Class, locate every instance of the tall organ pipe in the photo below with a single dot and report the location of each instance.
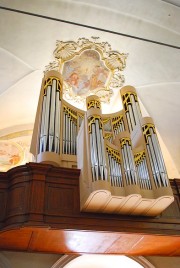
(69, 130)
(50, 116)
(128, 161)
(114, 167)
(131, 107)
(142, 170)
(155, 155)
(97, 150)
(118, 124)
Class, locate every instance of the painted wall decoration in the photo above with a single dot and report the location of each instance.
(85, 73)
(11, 155)
(14, 150)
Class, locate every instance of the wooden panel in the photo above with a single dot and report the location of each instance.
(3, 202)
(48, 197)
(16, 202)
(60, 200)
(37, 196)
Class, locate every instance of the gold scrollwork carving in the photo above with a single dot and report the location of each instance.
(125, 141)
(117, 121)
(146, 131)
(49, 81)
(105, 120)
(127, 100)
(108, 136)
(114, 60)
(93, 104)
(139, 157)
(71, 113)
(91, 120)
(114, 153)
(54, 65)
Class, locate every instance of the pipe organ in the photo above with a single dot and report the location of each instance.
(122, 167)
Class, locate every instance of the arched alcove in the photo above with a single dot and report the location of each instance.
(102, 261)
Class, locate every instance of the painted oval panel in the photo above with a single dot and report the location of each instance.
(85, 73)
(11, 155)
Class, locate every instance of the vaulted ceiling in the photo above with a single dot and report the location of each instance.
(27, 43)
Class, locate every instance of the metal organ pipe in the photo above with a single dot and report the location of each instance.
(95, 160)
(131, 115)
(129, 121)
(57, 122)
(154, 160)
(69, 130)
(64, 132)
(128, 161)
(155, 156)
(132, 109)
(46, 119)
(114, 167)
(98, 160)
(136, 108)
(97, 150)
(162, 168)
(118, 124)
(43, 137)
(50, 118)
(142, 170)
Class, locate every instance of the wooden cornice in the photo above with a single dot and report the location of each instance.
(39, 211)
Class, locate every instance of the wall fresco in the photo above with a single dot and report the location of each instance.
(85, 73)
(14, 151)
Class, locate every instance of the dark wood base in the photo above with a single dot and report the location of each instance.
(39, 212)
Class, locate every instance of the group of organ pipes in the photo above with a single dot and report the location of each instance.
(113, 156)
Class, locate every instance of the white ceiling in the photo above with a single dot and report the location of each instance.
(27, 44)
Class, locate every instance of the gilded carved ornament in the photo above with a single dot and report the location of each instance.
(110, 63)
